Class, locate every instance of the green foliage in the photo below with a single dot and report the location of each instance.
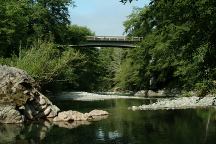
(178, 49)
(47, 64)
(90, 73)
(23, 21)
(110, 61)
(76, 34)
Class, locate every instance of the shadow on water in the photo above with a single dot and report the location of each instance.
(121, 127)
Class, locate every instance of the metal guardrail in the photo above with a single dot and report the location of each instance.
(113, 38)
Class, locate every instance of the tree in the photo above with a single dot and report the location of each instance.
(76, 34)
(178, 38)
(13, 25)
(23, 21)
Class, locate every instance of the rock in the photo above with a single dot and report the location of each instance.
(28, 111)
(141, 93)
(67, 116)
(9, 114)
(159, 93)
(150, 93)
(96, 113)
(54, 112)
(18, 89)
(47, 111)
(70, 116)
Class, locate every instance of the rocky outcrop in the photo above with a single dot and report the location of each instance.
(20, 100)
(19, 95)
(179, 103)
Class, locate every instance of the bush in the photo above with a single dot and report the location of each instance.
(44, 62)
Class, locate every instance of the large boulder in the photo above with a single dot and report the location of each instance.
(19, 93)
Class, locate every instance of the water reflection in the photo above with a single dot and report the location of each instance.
(8, 133)
(72, 125)
(34, 133)
(122, 126)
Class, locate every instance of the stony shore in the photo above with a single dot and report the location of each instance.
(20, 101)
(179, 103)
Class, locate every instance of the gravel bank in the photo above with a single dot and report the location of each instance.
(179, 103)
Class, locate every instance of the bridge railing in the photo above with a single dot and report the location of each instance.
(113, 38)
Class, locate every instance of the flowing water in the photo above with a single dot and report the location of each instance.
(123, 126)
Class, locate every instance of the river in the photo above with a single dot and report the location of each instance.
(123, 126)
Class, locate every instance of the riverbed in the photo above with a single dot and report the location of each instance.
(123, 126)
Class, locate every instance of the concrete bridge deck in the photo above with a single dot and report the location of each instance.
(110, 41)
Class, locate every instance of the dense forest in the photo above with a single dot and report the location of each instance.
(177, 51)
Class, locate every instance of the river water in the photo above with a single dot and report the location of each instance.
(123, 126)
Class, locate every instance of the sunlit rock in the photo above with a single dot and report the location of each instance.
(96, 113)
(70, 116)
(18, 91)
(78, 116)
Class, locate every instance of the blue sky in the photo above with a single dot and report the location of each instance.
(104, 17)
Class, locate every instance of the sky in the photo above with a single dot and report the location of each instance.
(104, 17)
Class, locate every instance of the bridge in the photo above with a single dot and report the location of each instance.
(110, 41)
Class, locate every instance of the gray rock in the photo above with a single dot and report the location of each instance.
(77, 116)
(9, 114)
(70, 116)
(141, 93)
(159, 93)
(17, 88)
(97, 113)
(54, 112)
(150, 93)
